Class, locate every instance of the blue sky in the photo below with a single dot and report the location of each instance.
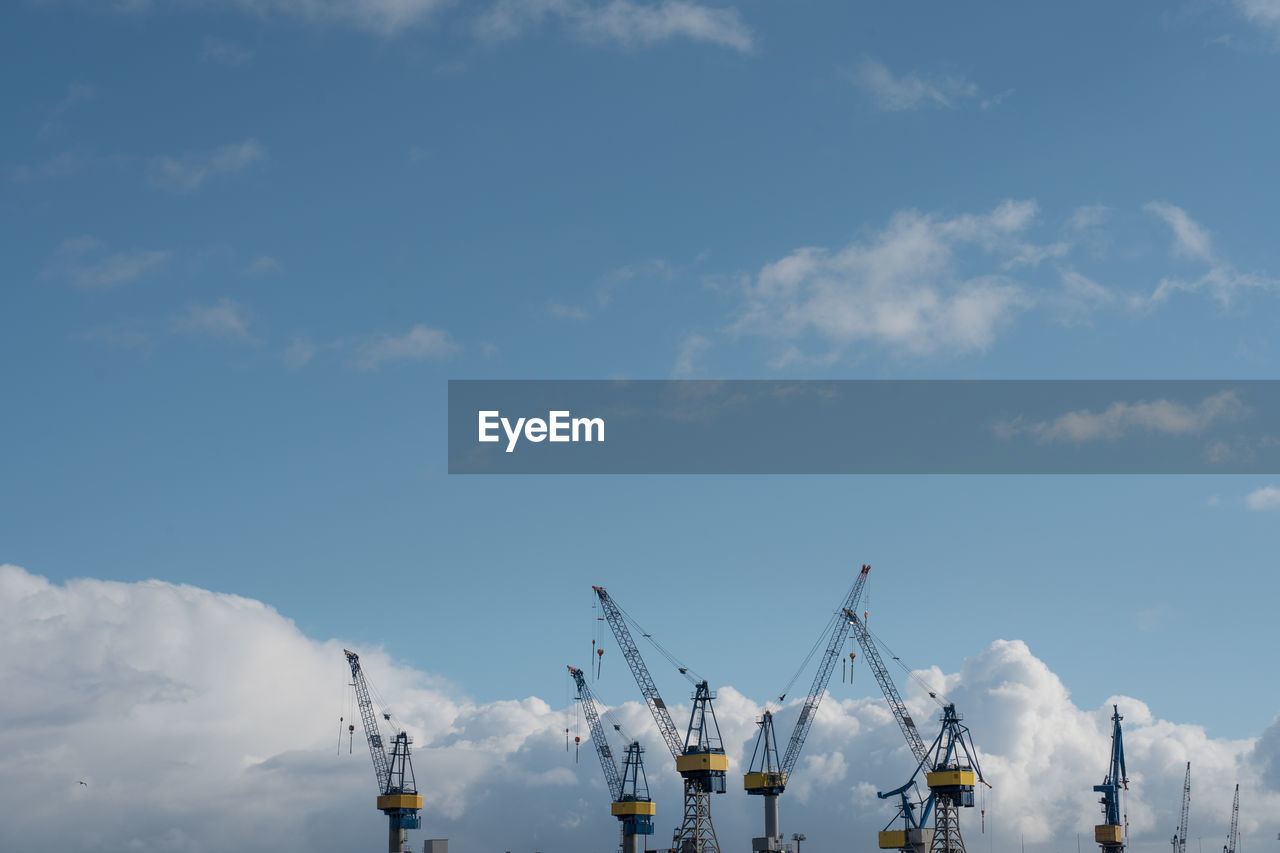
(246, 243)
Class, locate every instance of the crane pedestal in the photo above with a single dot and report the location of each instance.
(697, 835)
(946, 828)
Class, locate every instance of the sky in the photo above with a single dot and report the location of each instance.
(247, 242)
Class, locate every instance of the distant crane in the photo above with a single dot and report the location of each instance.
(766, 776)
(398, 796)
(700, 757)
(1110, 833)
(1233, 834)
(630, 790)
(1180, 836)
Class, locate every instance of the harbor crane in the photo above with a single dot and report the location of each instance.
(950, 766)
(1110, 833)
(630, 790)
(767, 777)
(1180, 836)
(700, 757)
(1233, 833)
(398, 796)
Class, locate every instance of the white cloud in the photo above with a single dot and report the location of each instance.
(385, 17)
(908, 91)
(626, 22)
(262, 265)
(1119, 418)
(62, 165)
(1222, 280)
(1079, 297)
(223, 319)
(419, 343)
(1089, 216)
(189, 172)
(1190, 239)
(299, 352)
(1263, 13)
(225, 52)
(208, 722)
(567, 312)
(687, 358)
(902, 288)
(997, 99)
(1265, 498)
(86, 263)
(77, 93)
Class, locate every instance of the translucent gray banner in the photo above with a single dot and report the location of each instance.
(864, 427)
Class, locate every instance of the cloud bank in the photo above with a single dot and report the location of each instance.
(204, 721)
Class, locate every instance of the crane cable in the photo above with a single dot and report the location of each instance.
(686, 671)
(936, 695)
(774, 705)
(606, 714)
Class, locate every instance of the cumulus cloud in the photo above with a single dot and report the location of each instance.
(190, 171)
(626, 22)
(418, 344)
(1120, 418)
(208, 722)
(908, 91)
(1265, 498)
(903, 288)
(86, 262)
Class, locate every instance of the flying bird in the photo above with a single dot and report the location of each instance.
(82, 782)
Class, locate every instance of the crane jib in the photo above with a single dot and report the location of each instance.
(825, 668)
(631, 653)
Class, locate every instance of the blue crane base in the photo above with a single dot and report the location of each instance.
(404, 818)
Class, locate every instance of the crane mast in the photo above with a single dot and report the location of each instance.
(700, 758)
(630, 790)
(1180, 836)
(766, 776)
(398, 796)
(1110, 833)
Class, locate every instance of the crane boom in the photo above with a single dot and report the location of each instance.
(891, 694)
(1233, 834)
(1180, 837)
(819, 687)
(658, 708)
(372, 734)
(597, 734)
